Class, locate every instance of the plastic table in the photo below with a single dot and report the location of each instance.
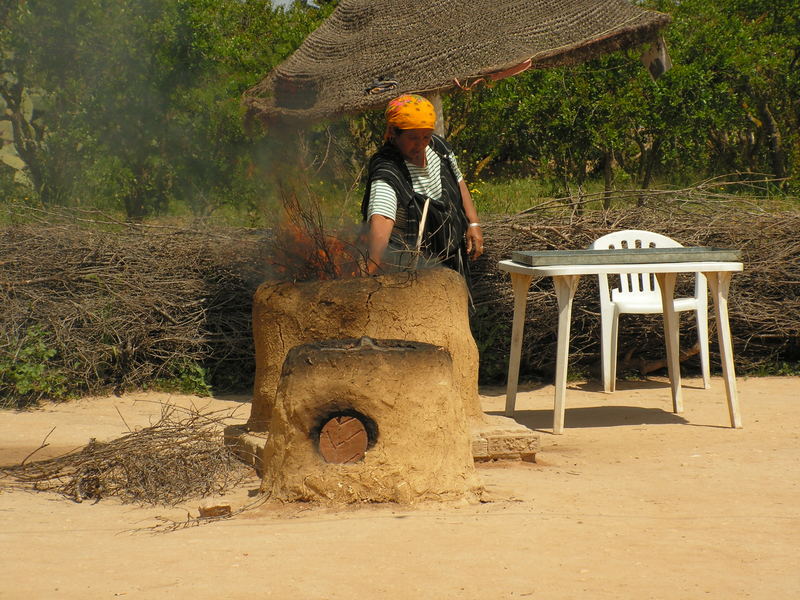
(565, 280)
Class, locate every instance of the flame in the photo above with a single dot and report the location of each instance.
(301, 254)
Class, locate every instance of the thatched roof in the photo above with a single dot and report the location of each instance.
(369, 51)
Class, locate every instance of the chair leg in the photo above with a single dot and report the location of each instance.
(701, 314)
(607, 348)
(614, 349)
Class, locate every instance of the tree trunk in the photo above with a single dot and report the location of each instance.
(482, 165)
(136, 203)
(580, 176)
(608, 177)
(436, 100)
(134, 207)
(774, 140)
(650, 160)
(26, 138)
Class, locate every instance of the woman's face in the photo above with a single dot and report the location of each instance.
(412, 143)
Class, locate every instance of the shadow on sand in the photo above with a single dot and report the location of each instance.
(595, 416)
(594, 385)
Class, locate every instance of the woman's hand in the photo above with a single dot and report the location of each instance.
(474, 234)
(474, 241)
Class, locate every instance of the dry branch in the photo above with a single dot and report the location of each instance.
(181, 456)
(123, 309)
(125, 305)
(764, 303)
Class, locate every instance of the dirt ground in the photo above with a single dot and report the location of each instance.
(631, 502)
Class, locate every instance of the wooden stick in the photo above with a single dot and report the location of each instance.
(421, 231)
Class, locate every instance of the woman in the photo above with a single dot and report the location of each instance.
(413, 168)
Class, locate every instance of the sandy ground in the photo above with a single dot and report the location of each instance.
(631, 502)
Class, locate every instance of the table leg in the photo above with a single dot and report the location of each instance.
(565, 291)
(520, 284)
(720, 283)
(666, 282)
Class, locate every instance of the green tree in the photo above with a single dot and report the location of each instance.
(140, 99)
(729, 104)
(223, 49)
(745, 54)
(25, 103)
(97, 84)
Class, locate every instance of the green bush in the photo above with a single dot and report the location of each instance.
(30, 372)
(186, 377)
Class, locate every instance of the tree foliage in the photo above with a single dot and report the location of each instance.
(729, 104)
(135, 105)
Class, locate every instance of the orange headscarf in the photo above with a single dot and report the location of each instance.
(409, 111)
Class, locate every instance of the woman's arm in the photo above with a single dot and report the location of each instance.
(380, 229)
(474, 233)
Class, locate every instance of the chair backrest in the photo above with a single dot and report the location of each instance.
(632, 284)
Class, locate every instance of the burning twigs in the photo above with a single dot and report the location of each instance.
(302, 249)
(181, 456)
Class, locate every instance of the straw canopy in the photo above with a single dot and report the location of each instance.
(369, 51)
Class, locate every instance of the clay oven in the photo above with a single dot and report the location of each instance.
(368, 420)
(429, 306)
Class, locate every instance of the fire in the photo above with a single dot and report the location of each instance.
(306, 253)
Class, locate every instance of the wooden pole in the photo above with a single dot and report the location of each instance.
(436, 100)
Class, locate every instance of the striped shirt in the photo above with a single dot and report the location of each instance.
(425, 180)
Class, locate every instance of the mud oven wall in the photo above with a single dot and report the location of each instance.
(340, 398)
(429, 306)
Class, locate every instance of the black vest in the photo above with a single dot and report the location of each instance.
(443, 237)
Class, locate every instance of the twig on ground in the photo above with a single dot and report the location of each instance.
(181, 456)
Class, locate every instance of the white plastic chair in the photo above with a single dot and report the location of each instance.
(640, 294)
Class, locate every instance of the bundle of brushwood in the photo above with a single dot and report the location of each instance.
(88, 305)
(764, 302)
(180, 457)
(90, 309)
